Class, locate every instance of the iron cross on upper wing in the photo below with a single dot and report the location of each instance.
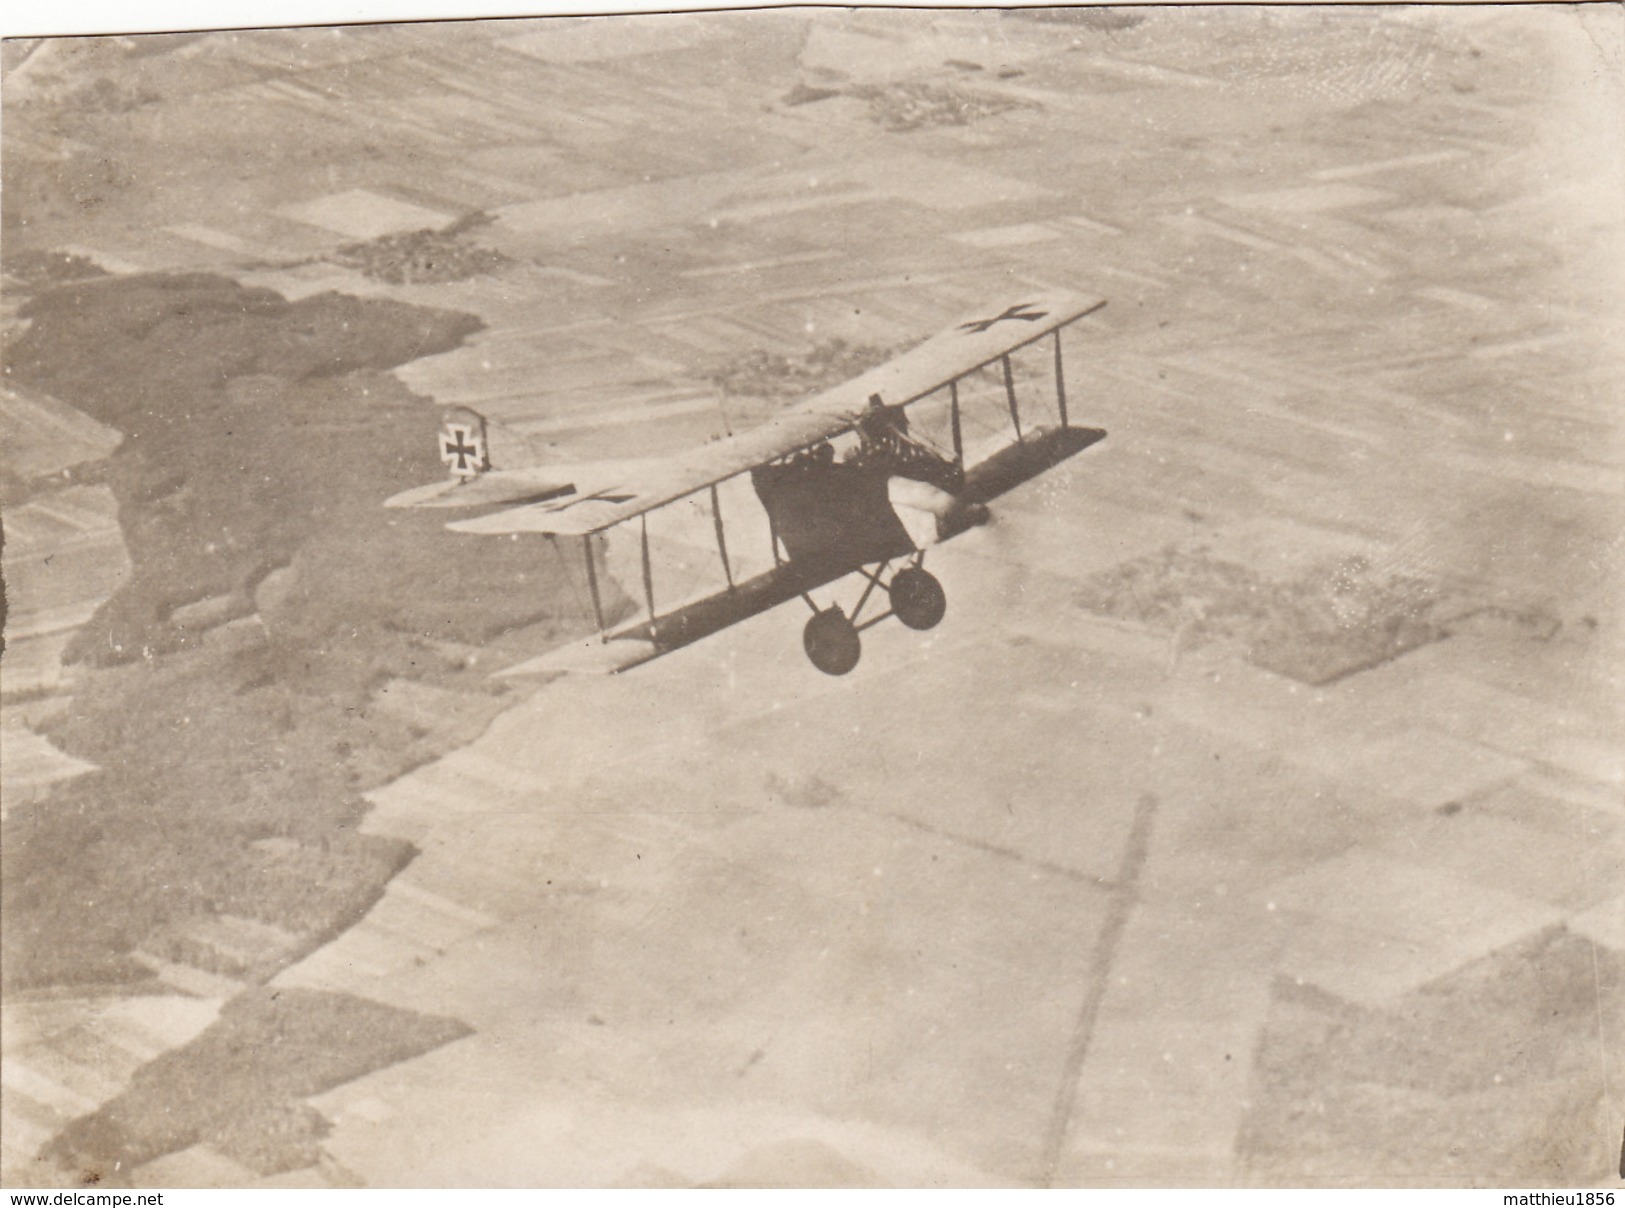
(1021, 310)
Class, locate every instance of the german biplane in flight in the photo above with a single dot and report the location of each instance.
(860, 482)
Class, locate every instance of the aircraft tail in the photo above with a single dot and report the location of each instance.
(470, 445)
(489, 464)
(486, 463)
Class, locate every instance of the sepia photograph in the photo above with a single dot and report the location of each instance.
(816, 597)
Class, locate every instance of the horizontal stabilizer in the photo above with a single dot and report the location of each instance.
(552, 483)
(488, 490)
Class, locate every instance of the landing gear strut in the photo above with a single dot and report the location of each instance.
(832, 642)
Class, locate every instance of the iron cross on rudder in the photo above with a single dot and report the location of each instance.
(1021, 310)
(462, 448)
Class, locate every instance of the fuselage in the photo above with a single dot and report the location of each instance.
(825, 511)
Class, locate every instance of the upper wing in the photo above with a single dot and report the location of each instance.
(679, 476)
(961, 349)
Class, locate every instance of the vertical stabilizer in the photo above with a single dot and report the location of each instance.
(470, 445)
(464, 445)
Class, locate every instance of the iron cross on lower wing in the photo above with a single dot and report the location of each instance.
(1021, 310)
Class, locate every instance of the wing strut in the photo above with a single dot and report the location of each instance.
(592, 586)
(953, 410)
(1060, 379)
(1010, 393)
(648, 569)
(722, 540)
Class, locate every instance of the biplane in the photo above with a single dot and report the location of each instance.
(858, 482)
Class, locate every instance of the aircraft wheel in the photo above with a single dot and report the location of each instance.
(917, 598)
(831, 641)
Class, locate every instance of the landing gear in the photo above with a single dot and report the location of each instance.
(831, 637)
(832, 642)
(917, 598)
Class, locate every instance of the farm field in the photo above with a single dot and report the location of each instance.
(1255, 817)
